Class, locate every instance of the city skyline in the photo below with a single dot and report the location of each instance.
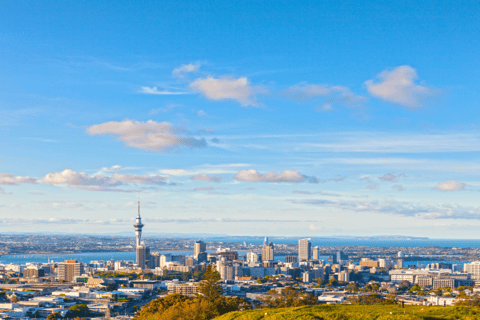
(278, 119)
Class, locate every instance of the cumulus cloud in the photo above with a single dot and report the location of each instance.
(181, 71)
(229, 88)
(284, 176)
(72, 178)
(150, 135)
(205, 177)
(138, 179)
(334, 94)
(404, 209)
(450, 186)
(9, 179)
(398, 86)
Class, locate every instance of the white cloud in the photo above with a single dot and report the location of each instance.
(137, 179)
(150, 135)
(155, 91)
(398, 86)
(450, 186)
(205, 177)
(229, 88)
(272, 176)
(335, 94)
(72, 178)
(201, 113)
(184, 69)
(9, 179)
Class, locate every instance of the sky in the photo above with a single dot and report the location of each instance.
(276, 118)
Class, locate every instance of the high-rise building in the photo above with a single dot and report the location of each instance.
(33, 272)
(268, 252)
(291, 259)
(199, 247)
(69, 269)
(265, 242)
(304, 250)
(315, 253)
(252, 257)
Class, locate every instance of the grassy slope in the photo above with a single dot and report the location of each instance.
(356, 312)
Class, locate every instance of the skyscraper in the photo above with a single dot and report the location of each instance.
(268, 253)
(69, 269)
(304, 250)
(199, 247)
(265, 242)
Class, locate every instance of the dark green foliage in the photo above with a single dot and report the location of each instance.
(176, 306)
(369, 299)
(210, 286)
(54, 315)
(288, 297)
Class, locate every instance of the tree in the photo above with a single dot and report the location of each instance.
(54, 315)
(78, 310)
(352, 287)
(288, 297)
(333, 282)
(112, 286)
(210, 286)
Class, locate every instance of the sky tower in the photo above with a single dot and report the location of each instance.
(138, 225)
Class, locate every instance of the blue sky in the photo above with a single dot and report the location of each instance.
(245, 118)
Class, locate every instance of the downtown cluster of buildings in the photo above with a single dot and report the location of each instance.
(106, 286)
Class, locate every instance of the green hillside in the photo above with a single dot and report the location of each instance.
(355, 312)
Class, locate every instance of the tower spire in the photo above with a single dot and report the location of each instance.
(138, 207)
(138, 225)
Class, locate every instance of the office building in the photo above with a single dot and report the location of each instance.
(315, 253)
(265, 242)
(33, 272)
(252, 257)
(472, 268)
(304, 250)
(291, 259)
(268, 252)
(344, 276)
(69, 269)
(199, 247)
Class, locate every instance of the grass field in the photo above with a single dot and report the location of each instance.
(356, 312)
